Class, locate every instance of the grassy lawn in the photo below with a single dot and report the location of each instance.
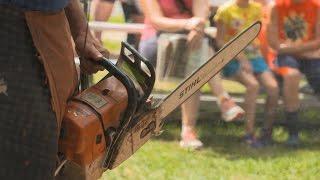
(224, 155)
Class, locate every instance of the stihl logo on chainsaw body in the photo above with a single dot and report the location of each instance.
(189, 87)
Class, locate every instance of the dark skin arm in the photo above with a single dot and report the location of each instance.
(88, 48)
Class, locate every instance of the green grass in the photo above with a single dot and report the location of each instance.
(224, 155)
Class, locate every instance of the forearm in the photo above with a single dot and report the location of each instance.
(76, 17)
(153, 12)
(300, 48)
(201, 9)
(272, 37)
(169, 24)
(103, 10)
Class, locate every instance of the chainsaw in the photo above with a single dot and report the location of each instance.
(107, 123)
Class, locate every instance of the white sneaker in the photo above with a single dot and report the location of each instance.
(230, 111)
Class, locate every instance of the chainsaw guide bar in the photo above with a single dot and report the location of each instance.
(150, 123)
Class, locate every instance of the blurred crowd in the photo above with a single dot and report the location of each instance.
(287, 49)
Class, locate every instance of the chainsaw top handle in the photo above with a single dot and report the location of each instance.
(128, 84)
(139, 70)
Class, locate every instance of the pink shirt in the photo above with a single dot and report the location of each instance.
(169, 9)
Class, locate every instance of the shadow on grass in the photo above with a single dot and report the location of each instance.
(226, 139)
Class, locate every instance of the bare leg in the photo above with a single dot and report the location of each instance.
(190, 110)
(291, 90)
(102, 12)
(189, 117)
(216, 82)
(269, 82)
(252, 85)
(292, 104)
(216, 86)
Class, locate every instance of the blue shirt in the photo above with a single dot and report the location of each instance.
(39, 5)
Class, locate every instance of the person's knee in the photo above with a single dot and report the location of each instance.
(272, 90)
(253, 87)
(292, 79)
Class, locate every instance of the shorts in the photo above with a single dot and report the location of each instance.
(258, 66)
(309, 67)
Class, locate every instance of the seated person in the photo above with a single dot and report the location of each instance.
(294, 34)
(187, 17)
(249, 67)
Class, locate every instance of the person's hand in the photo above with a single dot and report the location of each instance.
(89, 49)
(194, 40)
(195, 23)
(245, 66)
(289, 47)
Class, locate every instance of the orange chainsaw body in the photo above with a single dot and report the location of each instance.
(88, 116)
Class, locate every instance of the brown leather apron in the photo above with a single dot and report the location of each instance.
(52, 38)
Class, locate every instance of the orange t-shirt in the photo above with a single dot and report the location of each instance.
(297, 20)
